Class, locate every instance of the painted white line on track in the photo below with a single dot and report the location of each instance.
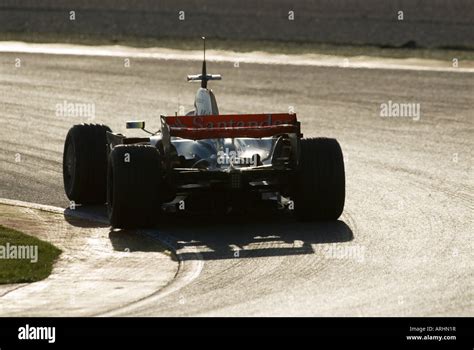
(316, 60)
(29, 205)
(188, 271)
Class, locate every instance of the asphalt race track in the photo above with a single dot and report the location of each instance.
(403, 246)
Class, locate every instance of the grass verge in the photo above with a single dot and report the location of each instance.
(18, 252)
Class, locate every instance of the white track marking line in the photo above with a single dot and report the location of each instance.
(29, 205)
(315, 60)
(188, 270)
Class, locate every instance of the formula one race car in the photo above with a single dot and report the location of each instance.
(204, 160)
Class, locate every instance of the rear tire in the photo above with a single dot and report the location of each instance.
(319, 189)
(134, 187)
(85, 163)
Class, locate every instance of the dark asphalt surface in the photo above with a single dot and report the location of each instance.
(403, 245)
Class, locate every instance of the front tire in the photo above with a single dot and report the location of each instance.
(85, 163)
(134, 186)
(319, 189)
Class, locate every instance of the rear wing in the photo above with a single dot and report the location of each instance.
(230, 126)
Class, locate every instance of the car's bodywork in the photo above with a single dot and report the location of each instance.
(204, 156)
(248, 152)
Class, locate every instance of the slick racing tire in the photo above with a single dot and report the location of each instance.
(85, 163)
(134, 186)
(319, 188)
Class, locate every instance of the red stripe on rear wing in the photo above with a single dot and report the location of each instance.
(231, 125)
(257, 132)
